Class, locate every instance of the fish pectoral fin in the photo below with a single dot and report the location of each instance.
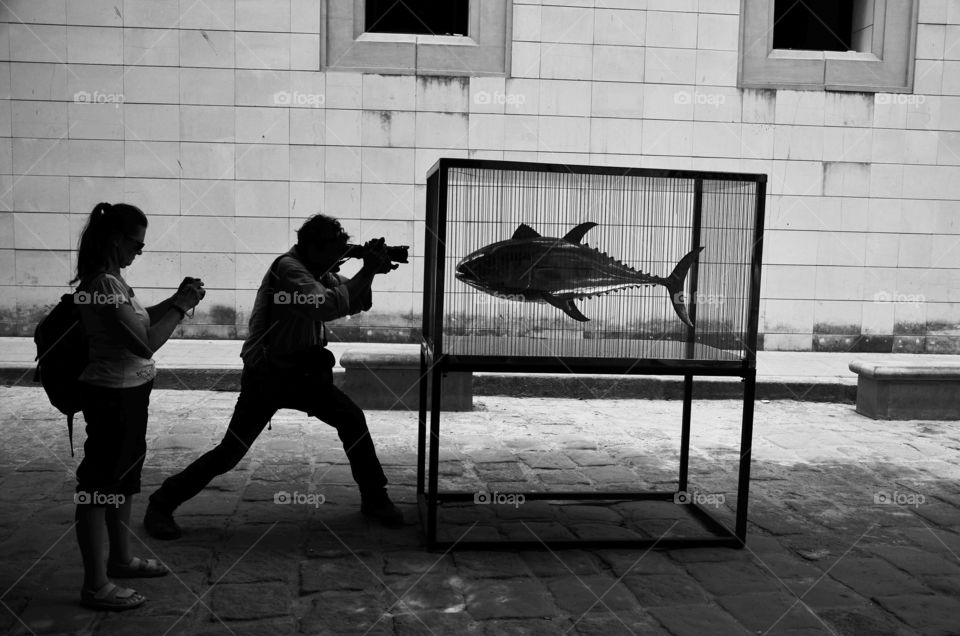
(524, 231)
(576, 234)
(566, 306)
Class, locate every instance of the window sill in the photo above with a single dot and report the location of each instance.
(411, 38)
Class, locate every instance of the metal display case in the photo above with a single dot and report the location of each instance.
(543, 268)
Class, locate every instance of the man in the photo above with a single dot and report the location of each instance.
(286, 366)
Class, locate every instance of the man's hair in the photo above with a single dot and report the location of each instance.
(318, 229)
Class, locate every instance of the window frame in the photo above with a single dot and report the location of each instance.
(485, 50)
(887, 67)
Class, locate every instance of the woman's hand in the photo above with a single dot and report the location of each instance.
(189, 294)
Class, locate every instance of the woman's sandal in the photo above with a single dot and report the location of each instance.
(137, 569)
(111, 597)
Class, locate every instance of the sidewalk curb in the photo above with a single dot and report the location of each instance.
(526, 385)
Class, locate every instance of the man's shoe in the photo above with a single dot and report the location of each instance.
(383, 510)
(160, 524)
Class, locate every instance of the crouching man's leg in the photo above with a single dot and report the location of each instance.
(335, 408)
(253, 410)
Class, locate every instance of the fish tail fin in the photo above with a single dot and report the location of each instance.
(676, 282)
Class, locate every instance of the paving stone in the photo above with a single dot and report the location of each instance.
(580, 513)
(620, 623)
(520, 598)
(657, 590)
(500, 472)
(130, 624)
(250, 601)
(927, 613)
(580, 594)
(409, 562)
(348, 612)
(770, 612)
(561, 563)
(824, 592)
(484, 564)
(561, 478)
(416, 593)
(873, 577)
(611, 475)
(436, 622)
(547, 460)
(590, 458)
(604, 532)
(917, 562)
(786, 566)
(546, 626)
(55, 614)
(696, 620)
(857, 622)
(724, 579)
(537, 531)
(949, 585)
(342, 573)
(639, 561)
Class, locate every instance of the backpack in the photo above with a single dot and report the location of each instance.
(62, 356)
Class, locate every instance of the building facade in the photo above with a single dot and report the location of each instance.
(230, 121)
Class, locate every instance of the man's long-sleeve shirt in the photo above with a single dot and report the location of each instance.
(290, 309)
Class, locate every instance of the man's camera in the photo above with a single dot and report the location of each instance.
(397, 253)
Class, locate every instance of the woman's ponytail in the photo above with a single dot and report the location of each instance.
(106, 221)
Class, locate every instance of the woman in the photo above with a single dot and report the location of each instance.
(123, 336)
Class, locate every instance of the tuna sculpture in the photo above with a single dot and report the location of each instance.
(533, 268)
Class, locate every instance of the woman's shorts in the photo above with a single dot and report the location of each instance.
(116, 440)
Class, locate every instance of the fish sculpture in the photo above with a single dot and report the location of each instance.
(533, 268)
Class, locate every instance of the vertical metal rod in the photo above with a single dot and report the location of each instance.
(422, 422)
(746, 447)
(436, 379)
(685, 431)
(694, 275)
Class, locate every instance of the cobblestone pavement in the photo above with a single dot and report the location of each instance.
(854, 525)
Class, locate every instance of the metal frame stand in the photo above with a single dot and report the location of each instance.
(430, 498)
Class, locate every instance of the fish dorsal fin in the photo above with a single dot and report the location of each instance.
(524, 231)
(576, 234)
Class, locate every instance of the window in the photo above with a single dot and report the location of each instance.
(426, 17)
(813, 25)
(429, 37)
(843, 45)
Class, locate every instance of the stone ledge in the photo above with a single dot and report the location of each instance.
(895, 391)
(391, 380)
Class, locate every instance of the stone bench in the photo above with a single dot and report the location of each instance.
(379, 379)
(908, 391)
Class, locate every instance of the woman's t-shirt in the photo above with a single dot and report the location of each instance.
(111, 363)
